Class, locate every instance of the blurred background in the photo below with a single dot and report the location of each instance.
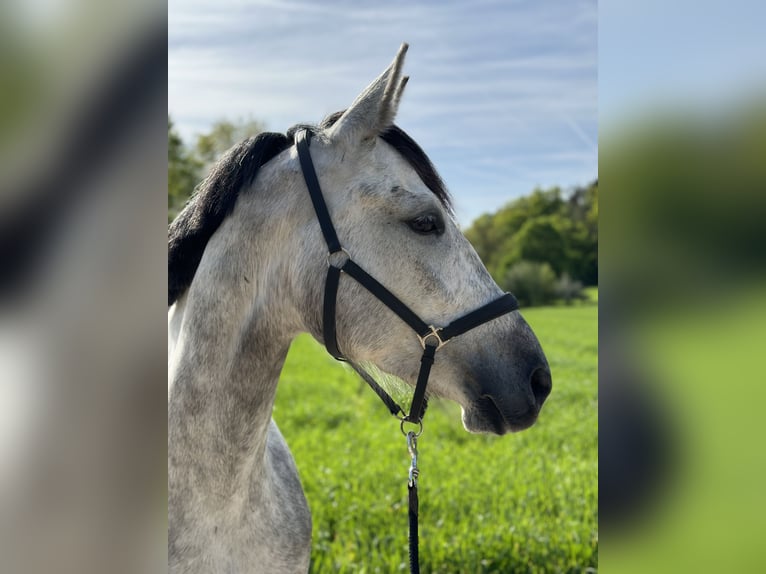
(83, 175)
(682, 161)
(678, 117)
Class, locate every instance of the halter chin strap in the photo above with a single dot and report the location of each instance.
(431, 338)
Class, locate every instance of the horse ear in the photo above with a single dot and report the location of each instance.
(375, 108)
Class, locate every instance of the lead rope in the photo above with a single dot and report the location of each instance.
(412, 490)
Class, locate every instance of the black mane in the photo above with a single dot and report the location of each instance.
(213, 201)
(216, 196)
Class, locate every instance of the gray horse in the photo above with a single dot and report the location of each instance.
(247, 264)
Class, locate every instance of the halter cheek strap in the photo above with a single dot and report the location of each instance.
(431, 338)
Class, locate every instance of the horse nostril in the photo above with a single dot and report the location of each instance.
(541, 384)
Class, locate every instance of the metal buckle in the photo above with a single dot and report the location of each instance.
(434, 333)
(341, 250)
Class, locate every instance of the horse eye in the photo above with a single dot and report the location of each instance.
(426, 224)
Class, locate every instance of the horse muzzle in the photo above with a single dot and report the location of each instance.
(513, 408)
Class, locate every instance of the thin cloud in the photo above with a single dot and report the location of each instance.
(494, 83)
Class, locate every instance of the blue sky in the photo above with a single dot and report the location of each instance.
(682, 55)
(502, 94)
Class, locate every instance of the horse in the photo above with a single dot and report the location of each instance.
(246, 270)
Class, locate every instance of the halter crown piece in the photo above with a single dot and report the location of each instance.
(431, 338)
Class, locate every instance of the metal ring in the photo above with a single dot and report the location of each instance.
(433, 333)
(341, 250)
(419, 423)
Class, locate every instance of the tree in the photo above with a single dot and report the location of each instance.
(223, 135)
(568, 290)
(186, 166)
(539, 240)
(183, 172)
(545, 226)
(579, 228)
(480, 236)
(532, 283)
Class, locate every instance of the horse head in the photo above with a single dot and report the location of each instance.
(394, 217)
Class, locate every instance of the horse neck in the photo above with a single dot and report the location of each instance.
(238, 319)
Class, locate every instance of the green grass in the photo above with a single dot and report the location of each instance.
(525, 502)
(591, 293)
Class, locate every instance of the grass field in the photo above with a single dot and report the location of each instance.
(525, 502)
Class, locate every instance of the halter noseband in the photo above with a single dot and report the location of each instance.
(431, 338)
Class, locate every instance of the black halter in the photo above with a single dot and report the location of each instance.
(431, 338)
